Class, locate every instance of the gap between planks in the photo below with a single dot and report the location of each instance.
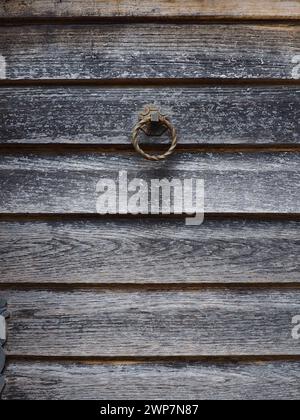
(166, 20)
(21, 148)
(68, 217)
(150, 82)
(150, 359)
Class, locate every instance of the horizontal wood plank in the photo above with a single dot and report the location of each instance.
(169, 381)
(161, 8)
(149, 252)
(201, 115)
(52, 182)
(101, 323)
(148, 51)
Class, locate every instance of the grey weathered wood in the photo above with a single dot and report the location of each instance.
(152, 323)
(149, 251)
(66, 183)
(151, 51)
(201, 115)
(74, 381)
(255, 9)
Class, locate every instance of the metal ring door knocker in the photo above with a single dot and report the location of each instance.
(149, 118)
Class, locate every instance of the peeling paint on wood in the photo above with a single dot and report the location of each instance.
(66, 183)
(202, 115)
(150, 51)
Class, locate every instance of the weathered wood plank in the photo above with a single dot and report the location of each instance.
(161, 8)
(151, 51)
(66, 183)
(103, 323)
(149, 251)
(202, 115)
(204, 381)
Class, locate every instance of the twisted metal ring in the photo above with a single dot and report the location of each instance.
(144, 122)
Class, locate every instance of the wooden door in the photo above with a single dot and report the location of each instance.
(142, 306)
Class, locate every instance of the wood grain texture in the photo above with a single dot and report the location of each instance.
(149, 252)
(169, 381)
(160, 8)
(202, 115)
(150, 51)
(66, 183)
(101, 323)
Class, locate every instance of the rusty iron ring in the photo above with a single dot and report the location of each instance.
(144, 123)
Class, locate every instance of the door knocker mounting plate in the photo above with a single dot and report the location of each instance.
(153, 128)
(153, 123)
